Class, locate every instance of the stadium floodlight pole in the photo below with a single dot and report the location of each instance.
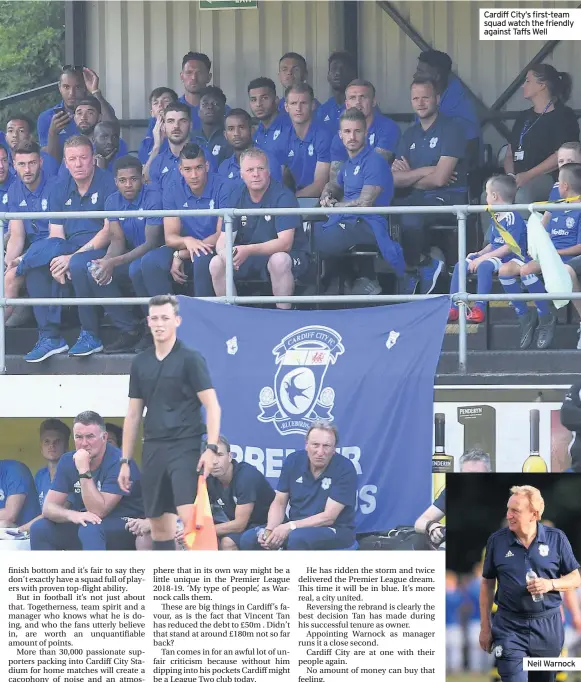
(228, 222)
(462, 337)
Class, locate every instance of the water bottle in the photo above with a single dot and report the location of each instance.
(180, 527)
(95, 272)
(531, 575)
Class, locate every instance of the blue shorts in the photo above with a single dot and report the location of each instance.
(515, 637)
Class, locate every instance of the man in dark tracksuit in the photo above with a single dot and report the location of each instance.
(528, 620)
(571, 419)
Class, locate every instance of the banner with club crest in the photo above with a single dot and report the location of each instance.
(369, 371)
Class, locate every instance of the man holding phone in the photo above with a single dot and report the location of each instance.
(189, 240)
(56, 124)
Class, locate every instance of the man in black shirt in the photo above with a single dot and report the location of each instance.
(240, 496)
(172, 381)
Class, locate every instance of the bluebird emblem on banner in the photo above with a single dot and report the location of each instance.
(298, 397)
(433, 142)
(44, 204)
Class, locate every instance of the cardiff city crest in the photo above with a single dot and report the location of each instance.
(298, 397)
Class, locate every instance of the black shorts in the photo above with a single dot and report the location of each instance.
(256, 267)
(169, 476)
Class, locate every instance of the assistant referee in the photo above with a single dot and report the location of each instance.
(172, 382)
(523, 627)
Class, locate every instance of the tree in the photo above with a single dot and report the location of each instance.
(31, 52)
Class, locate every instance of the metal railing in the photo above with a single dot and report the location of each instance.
(461, 212)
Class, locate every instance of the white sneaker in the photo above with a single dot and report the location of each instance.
(364, 286)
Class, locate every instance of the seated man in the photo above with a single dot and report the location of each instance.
(264, 107)
(50, 262)
(320, 487)
(18, 498)
(364, 180)
(19, 133)
(342, 70)
(189, 240)
(29, 192)
(240, 496)
(238, 132)
(304, 147)
(56, 124)
(111, 275)
(54, 442)
(383, 134)
(159, 99)
(195, 75)
(429, 522)
(85, 508)
(430, 166)
(565, 230)
(210, 135)
(292, 70)
(266, 247)
(164, 158)
(455, 102)
(88, 121)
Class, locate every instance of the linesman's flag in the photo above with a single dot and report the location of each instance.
(203, 535)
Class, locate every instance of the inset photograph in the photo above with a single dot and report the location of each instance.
(513, 545)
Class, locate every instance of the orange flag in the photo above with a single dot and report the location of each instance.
(203, 535)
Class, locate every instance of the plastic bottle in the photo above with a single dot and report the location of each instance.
(531, 575)
(95, 271)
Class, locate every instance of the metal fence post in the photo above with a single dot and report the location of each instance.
(462, 338)
(228, 223)
(2, 308)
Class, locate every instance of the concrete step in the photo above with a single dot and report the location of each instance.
(20, 340)
(514, 362)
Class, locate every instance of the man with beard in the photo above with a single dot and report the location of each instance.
(30, 192)
(264, 106)
(87, 117)
(292, 70)
(56, 124)
(342, 70)
(195, 76)
(238, 133)
(162, 164)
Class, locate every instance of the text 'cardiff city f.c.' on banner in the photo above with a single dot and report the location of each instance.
(368, 371)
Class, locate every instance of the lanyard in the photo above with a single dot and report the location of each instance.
(527, 126)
